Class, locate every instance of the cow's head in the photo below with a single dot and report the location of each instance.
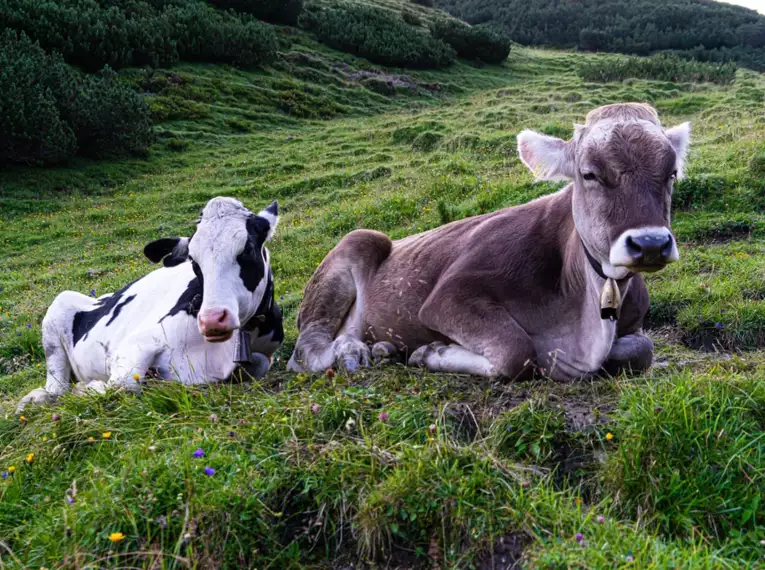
(623, 164)
(228, 254)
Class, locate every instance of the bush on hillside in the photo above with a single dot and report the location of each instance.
(426, 3)
(663, 67)
(203, 34)
(473, 42)
(107, 117)
(411, 18)
(637, 27)
(377, 35)
(277, 11)
(48, 113)
(91, 33)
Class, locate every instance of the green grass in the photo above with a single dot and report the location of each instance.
(461, 466)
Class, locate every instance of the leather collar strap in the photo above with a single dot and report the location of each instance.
(264, 309)
(599, 268)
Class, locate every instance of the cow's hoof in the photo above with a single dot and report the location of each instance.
(419, 356)
(38, 397)
(83, 388)
(293, 365)
(384, 352)
(351, 353)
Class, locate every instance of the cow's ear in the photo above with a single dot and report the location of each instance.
(680, 138)
(548, 158)
(170, 251)
(265, 222)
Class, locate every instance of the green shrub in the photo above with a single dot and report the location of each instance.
(48, 112)
(31, 127)
(411, 18)
(377, 35)
(108, 117)
(205, 35)
(91, 33)
(473, 42)
(663, 67)
(277, 11)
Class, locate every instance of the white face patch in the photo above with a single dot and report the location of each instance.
(228, 247)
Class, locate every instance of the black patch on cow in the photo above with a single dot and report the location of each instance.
(118, 308)
(251, 263)
(189, 302)
(171, 251)
(84, 321)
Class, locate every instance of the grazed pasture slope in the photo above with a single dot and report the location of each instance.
(392, 464)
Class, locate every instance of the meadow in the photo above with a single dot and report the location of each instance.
(391, 467)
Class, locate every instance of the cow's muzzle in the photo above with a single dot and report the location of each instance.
(216, 325)
(644, 249)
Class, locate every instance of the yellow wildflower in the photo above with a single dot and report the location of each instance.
(11, 469)
(609, 436)
(106, 434)
(136, 377)
(30, 457)
(116, 536)
(45, 438)
(22, 419)
(91, 438)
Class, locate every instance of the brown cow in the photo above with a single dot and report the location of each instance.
(496, 294)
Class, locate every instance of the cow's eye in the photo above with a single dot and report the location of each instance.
(589, 176)
(673, 176)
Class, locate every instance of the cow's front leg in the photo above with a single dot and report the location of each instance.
(453, 358)
(487, 341)
(630, 353)
(130, 364)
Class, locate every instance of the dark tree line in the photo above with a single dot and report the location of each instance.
(719, 31)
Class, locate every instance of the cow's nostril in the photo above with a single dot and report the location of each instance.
(223, 316)
(633, 247)
(666, 248)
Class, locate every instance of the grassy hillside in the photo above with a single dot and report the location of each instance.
(391, 467)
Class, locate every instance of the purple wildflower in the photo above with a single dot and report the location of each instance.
(18, 334)
(601, 519)
(630, 558)
(383, 416)
(232, 434)
(718, 325)
(29, 325)
(93, 292)
(579, 537)
(199, 452)
(209, 471)
(70, 500)
(4, 475)
(315, 408)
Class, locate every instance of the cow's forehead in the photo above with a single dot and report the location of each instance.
(606, 136)
(222, 227)
(224, 208)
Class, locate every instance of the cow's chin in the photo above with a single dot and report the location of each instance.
(647, 268)
(219, 337)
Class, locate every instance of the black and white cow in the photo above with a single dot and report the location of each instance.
(179, 321)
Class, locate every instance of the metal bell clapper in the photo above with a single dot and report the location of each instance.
(610, 300)
(242, 352)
